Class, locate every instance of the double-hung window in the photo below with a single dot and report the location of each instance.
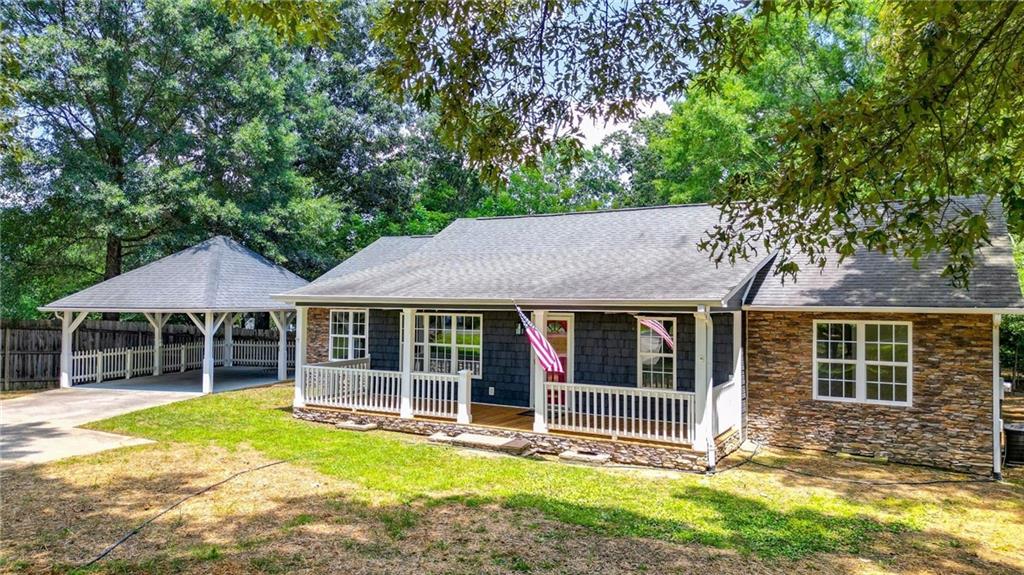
(348, 334)
(656, 362)
(865, 361)
(447, 343)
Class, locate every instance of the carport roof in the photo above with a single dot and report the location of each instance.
(218, 274)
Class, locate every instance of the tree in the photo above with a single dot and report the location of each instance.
(877, 168)
(881, 167)
(147, 126)
(802, 61)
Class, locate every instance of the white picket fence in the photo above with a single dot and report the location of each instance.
(350, 384)
(651, 414)
(128, 362)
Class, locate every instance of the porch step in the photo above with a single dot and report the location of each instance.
(355, 426)
(478, 441)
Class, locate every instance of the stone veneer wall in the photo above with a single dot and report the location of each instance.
(622, 452)
(949, 424)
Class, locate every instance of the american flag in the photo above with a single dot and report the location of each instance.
(659, 328)
(546, 354)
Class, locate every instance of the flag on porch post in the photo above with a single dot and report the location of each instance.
(659, 328)
(546, 355)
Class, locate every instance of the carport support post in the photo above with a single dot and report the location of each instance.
(997, 394)
(229, 340)
(69, 322)
(281, 321)
(208, 353)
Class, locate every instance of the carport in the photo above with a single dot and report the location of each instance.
(210, 283)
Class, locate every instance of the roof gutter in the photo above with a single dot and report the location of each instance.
(887, 309)
(526, 302)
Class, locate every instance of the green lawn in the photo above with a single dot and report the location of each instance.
(724, 511)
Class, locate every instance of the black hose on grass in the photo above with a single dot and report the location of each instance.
(142, 525)
(757, 447)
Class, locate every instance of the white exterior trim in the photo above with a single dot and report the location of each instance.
(997, 393)
(857, 309)
(349, 335)
(523, 302)
(570, 342)
(454, 343)
(674, 353)
(861, 362)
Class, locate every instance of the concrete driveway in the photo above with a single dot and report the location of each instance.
(42, 426)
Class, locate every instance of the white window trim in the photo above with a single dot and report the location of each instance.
(454, 346)
(351, 338)
(570, 342)
(861, 384)
(674, 354)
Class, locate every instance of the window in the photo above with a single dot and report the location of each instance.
(447, 343)
(863, 361)
(348, 334)
(656, 362)
(836, 353)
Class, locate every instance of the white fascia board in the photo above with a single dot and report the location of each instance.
(532, 303)
(747, 281)
(164, 310)
(884, 309)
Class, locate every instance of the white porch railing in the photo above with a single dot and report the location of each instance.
(435, 395)
(350, 384)
(129, 362)
(650, 414)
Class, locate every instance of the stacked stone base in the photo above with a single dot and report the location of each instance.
(621, 452)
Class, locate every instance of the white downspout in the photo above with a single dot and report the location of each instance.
(997, 392)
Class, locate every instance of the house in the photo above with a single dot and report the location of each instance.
(872, 357)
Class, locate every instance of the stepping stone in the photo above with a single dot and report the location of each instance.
(585, 457)
(491, 442)
(441, 437)
(355, 426)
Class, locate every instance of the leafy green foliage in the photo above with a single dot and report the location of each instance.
(511, 81)
(881, 167)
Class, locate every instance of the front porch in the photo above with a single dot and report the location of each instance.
(623, 388)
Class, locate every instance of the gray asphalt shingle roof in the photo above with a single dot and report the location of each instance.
(647, 254)
(872, 279)
(642, 255)
(218, 274)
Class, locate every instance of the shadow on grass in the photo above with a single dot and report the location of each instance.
(63, 525)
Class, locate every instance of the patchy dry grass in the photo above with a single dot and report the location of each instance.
(383, 503)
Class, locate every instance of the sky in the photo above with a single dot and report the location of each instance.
(594, 132)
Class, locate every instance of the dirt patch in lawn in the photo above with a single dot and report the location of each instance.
(289, 518)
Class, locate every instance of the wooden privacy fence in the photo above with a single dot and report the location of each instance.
(128, 362)
(30, 349)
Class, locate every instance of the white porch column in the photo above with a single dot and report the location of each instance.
(208, 332)
(409, 329)
(540, 423)
(703, 437)
(69, 322)
(997, 394)
(300, 355)
(464, 395)
(281, 321)
(229, 340)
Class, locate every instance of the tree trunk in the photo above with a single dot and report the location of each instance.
(112, 267)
